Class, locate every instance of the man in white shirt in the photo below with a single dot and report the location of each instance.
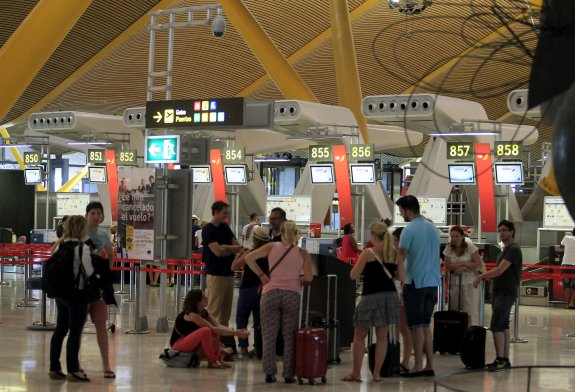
(248, 231)
(568, 244)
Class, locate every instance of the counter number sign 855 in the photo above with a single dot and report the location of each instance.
(320, 153)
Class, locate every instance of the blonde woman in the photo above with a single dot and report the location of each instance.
(280, 299)
(72, 311)
(379, 305)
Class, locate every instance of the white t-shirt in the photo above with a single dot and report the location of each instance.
(248, 241)
(569, 256)
(467, 277)
(199, 237)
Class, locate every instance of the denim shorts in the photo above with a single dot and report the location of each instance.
(569, 282)
(419, 305)
(500, 311)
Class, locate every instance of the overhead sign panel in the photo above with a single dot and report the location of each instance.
(163, 149)
(195, 113)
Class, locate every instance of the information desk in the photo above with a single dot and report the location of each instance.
(330, 265)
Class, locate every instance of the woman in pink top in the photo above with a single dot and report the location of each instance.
(349, 248)
(281, 297)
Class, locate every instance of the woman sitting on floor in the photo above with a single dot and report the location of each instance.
(196, 331)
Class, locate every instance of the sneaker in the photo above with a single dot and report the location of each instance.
(499, 365)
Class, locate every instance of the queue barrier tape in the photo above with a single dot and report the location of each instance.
(171, 271)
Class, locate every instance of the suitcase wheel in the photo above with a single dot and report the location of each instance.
(311, 381)
(338, 360)
(323, 380)
(113, 328)
(299, 381)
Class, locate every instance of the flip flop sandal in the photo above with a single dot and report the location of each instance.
(72, 377)
(59, 375)
(109, 374)
(351, 379)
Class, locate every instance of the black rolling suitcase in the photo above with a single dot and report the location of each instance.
(331, 322)
(449, 326)
(391, 363)
(473, 347)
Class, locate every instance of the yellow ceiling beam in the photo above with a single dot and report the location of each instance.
(346, 72)
(4, 133)
(32, 44)
(438, 72)
(67, 187)
(354, 15)
(142, 23)
(270, 57)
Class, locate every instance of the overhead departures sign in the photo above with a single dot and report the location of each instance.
(195, 113)
(163, 149)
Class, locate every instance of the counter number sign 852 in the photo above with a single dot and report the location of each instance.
(320, 153)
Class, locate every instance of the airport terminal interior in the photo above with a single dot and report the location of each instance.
(181, 143)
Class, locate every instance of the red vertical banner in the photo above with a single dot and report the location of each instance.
(343, 185)
(112, 170)
(485, 187)
(218, 175)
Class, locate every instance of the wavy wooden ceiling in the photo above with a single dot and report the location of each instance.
(393, 51)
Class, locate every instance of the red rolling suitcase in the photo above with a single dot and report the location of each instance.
(311, 351)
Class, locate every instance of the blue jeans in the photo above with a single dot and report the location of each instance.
(248, 303)
(70, 321)
(419, 305)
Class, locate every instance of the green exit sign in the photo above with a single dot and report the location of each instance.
(163, 149)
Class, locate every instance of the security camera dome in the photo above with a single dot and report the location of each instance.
(218, 25)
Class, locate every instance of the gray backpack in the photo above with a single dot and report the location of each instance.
(177, 359)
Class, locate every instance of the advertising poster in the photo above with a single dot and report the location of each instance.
(136, 212)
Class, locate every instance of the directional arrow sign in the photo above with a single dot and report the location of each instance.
(158, 117)
(163, 149)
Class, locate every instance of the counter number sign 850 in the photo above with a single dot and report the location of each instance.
(32, 158)
(320, 153)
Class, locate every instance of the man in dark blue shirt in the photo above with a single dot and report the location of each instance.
(219, 247)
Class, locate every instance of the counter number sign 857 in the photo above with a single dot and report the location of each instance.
(320, 153)
(460, 150)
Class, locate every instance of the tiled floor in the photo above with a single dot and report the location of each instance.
(24, 357)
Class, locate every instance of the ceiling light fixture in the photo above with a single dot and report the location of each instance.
(448, 134)
(88, 143)
(409, 7)
(14, 145)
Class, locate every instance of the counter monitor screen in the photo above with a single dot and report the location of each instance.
(362, 173)
(33, 176)
(98, 175)
(236, 174)
(509, 173)
(321, 174)
(462, 174)
(202, 175)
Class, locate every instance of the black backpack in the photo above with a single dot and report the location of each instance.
(58, 271)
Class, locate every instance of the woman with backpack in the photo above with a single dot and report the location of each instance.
(197, 331)
(72, 309)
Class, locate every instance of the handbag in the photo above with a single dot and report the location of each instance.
(92, 290)
(275, 266)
